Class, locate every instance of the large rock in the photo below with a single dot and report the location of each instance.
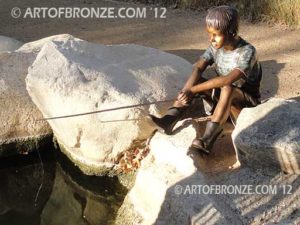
(269, 135)
(158, 195)
(75, 76)
(170, 190)
(9, 44)
(18, 114)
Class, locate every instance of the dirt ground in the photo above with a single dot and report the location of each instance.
(181, 33)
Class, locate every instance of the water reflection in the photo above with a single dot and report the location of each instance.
(21, 177)
(66, 196)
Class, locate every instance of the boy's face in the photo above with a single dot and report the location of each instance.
(216, 38)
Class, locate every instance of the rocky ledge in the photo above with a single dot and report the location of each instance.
(72, 76)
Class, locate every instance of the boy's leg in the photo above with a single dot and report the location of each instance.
(166, 123)
(220, 115)
(222, 110)
(234, 113)
(232, 101)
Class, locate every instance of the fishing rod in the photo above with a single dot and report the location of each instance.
(107, 110)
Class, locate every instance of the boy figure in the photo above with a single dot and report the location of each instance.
(235, 87)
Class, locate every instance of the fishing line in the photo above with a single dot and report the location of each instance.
(43, 172)
(107, 110)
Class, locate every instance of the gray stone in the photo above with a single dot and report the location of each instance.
(74, 76)
(162, 193)
(9, 44)
(18, 114)
(269, 135)
(170, 190)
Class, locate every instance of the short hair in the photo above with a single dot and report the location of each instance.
(223, 18)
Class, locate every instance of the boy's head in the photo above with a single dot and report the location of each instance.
(222, 23)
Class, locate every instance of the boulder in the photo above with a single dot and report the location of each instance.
(18, 114)
(9, 44)
(160, 192)
(74, 76)
(36, 46)
(269, 135)
(170, 190)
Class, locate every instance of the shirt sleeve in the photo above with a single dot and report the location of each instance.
(208, 55)
(246, 60)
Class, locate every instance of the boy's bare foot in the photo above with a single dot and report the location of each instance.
(236, 165)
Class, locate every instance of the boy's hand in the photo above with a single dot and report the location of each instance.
(185, 97)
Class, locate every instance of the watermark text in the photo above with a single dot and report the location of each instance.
(232, 189)
(89, 12)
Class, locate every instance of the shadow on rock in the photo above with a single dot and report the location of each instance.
(258, 192)
(195, 200)
(273, 139)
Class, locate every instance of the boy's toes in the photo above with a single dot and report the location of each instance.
(236, 165)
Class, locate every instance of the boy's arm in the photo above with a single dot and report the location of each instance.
(198, 69)
(218, 82)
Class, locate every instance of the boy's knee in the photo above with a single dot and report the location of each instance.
(227, 88)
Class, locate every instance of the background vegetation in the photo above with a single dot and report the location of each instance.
(280, 11)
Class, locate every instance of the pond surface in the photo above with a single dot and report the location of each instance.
(49, 190)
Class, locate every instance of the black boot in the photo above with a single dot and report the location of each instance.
(169, 120)
(205, 143)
